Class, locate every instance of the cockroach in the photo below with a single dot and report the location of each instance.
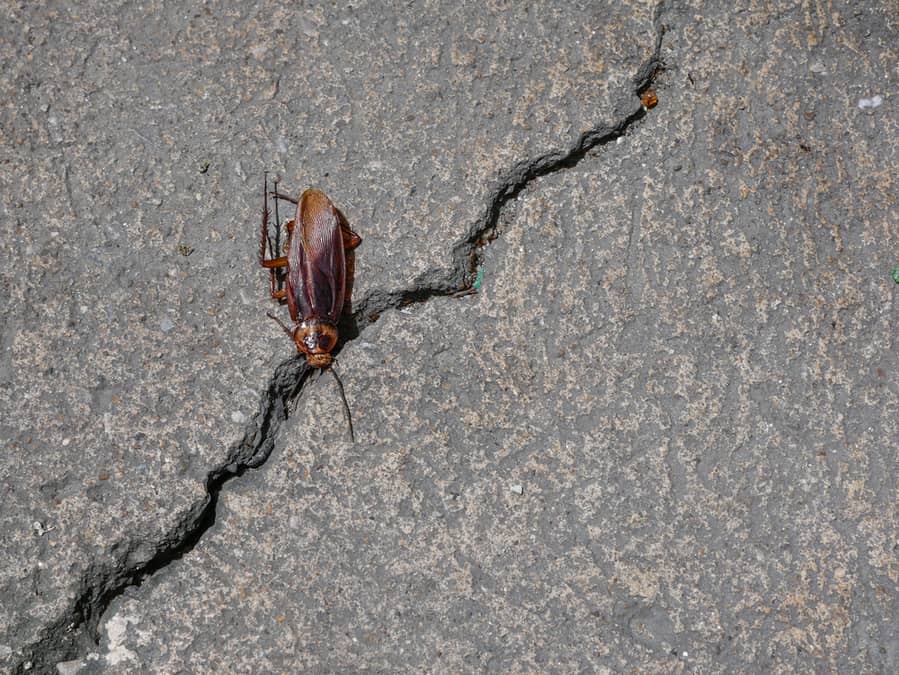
(312, 277)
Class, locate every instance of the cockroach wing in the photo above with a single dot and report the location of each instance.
(317, 267)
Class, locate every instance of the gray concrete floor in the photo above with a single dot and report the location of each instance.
(661, 437)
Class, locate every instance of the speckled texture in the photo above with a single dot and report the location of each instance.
(661, 438)
(134, 346)
(128, 367)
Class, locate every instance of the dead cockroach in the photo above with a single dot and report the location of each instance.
(312, 276)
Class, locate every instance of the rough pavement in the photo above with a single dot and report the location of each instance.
(661, 437)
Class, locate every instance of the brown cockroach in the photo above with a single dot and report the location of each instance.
(314, 281)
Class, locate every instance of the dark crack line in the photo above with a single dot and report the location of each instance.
(77, 633)
(467, 254)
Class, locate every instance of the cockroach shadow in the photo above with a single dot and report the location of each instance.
(313, 275)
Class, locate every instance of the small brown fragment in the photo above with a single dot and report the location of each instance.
(649, 99)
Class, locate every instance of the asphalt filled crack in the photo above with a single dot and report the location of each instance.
(77, 633)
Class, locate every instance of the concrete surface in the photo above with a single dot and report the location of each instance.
(662, 437)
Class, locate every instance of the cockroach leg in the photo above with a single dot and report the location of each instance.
(272, 266)
(277, 218)
(350, 239)
(346, 406)
(265, 243)
(280, 195)
(270, 262)
(350, 278)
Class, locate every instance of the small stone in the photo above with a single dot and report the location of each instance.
(516, 489)
(70, 667)
(873, 102)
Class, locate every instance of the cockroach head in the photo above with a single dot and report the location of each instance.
(316, 338)
(318, 360)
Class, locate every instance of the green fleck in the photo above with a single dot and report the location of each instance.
(204, 166)
(478, 279)
(896, 274)
(185, 250)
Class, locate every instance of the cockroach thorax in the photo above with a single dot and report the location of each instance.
(316, 338)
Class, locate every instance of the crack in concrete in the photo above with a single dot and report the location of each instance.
(467, 252)
(77, 633)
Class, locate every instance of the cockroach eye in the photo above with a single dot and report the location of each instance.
(327, 342)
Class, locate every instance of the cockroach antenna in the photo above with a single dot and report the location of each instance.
(286, 329)
(346, 406)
